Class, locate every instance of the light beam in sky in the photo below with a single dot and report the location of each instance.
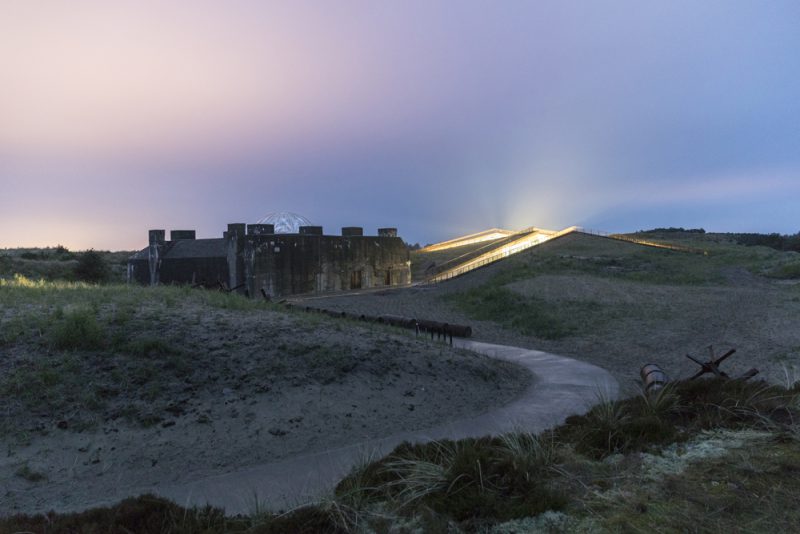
(440, 118)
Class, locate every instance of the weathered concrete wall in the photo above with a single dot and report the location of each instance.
(207, 271)
(285, 264)
(235, 236)
(183, 261)
(280, 264)
(139, 270)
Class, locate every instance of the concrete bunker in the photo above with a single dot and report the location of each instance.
(255, 259)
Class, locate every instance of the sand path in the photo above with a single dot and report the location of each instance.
(561, 387)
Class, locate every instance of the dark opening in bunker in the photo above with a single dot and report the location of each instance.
(355, 280)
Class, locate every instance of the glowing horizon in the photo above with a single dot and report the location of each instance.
(439, 119)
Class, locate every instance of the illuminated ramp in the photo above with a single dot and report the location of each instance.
(499, 248)
(492, 234)
(432, 259)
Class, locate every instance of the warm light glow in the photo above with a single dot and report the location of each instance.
(479, 237)
(530, 238)
(656, 244)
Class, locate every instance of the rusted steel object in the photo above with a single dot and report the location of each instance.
(435, 327)
(653, 377)
(430, 326)
(460, 330)
(747, 375)
(397, 320)
(712, 366)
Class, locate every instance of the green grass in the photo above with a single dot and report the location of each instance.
(596, 257)
(473, 480)
(57, 263)
(752, 489)
(527, 315)
(77, 329)
(724, 251)
(488, 480)
(677, 413)
(145, 514)
(618, 260)
(786, 271)
(625, 261)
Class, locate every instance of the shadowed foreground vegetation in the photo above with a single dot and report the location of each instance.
(76, 348)
(61, 264)
(106, 388)
(700, 456)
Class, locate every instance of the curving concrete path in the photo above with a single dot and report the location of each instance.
(561, 387)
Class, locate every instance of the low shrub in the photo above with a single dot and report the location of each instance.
(77, 330)
(787, 271)
(676, 413)
(146, 514)
(470, 480)
(92, 268)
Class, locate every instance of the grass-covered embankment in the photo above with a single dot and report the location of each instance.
(591, 256)
(605, 300)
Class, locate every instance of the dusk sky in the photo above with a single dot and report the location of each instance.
(439, 118)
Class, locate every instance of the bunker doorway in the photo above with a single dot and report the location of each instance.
(355, 280)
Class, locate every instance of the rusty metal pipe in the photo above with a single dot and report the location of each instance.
(653, 377)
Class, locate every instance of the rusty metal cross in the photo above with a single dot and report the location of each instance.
(712, 365)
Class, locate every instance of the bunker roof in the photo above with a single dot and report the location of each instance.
(198, 248)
